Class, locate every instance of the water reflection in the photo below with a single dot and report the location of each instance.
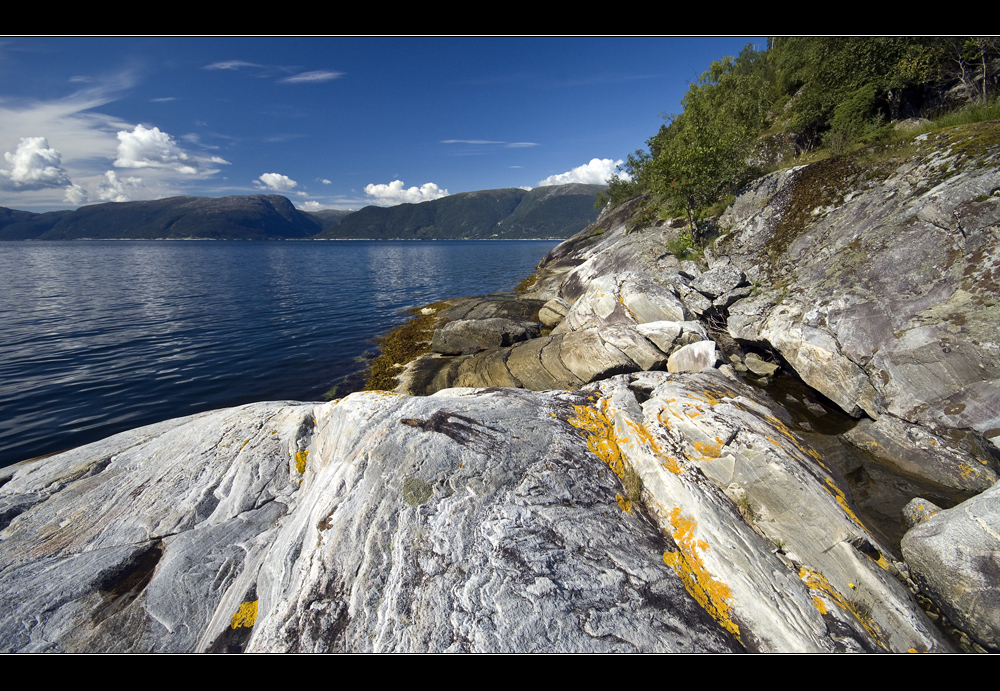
(103, 336)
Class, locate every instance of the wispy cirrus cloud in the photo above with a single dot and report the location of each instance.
(263, 71)
(312, 77)
(233, 65)
(486, 142)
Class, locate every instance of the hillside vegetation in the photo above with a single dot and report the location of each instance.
(796, 101)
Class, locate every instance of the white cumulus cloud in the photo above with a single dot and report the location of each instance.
(150, 148)
(276, 182)
(596, 172)
(394, 193)
(311, 206)
(114, 189)
(76, 195)
(33, 166)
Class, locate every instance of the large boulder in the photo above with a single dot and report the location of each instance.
(954, 555)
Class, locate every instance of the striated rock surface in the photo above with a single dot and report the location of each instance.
(471, 520)
(877, 278)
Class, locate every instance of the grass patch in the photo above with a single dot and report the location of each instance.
(632, 484)
(401, 345)
(683, 247)
(526, 284)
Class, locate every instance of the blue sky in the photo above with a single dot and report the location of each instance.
(328, 122)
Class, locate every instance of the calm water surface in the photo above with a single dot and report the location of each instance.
(99, 337)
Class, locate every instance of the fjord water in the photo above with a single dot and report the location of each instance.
(102, 336)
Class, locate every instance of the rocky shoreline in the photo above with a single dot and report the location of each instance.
(594, 464)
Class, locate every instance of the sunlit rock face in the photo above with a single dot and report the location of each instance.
(647, 513)
(878, 278)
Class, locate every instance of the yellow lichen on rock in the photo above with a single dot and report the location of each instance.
(644, 436)
(824, 591)
(838, 494)
(246, 615)
(688, 565)
(601, 437)
(708, 450)
(300, 461)
(623, 503)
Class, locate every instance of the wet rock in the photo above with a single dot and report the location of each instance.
(493, 306)
(916, 452)
(760, 367)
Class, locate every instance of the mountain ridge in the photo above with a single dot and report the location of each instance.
(558, 211)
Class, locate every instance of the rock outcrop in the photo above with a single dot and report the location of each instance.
(647, 513)
(570, 494)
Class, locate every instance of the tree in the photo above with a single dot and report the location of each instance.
(704, 152)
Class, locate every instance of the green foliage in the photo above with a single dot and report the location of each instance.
(646, 216)
(703, 153)
(802, 91)
(621, 189)
(824, 72)
(856, 119)
(683, 247)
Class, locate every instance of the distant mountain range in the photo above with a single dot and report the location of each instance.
(545, 212)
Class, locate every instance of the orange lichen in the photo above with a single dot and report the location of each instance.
(824, 591)
(601, 437)
(689, 567)
(842, 500)
(623, 503)
(663, 421)
(246, 615)
(644, 435)
(300, 461)
(710, 396)
(708, 450)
